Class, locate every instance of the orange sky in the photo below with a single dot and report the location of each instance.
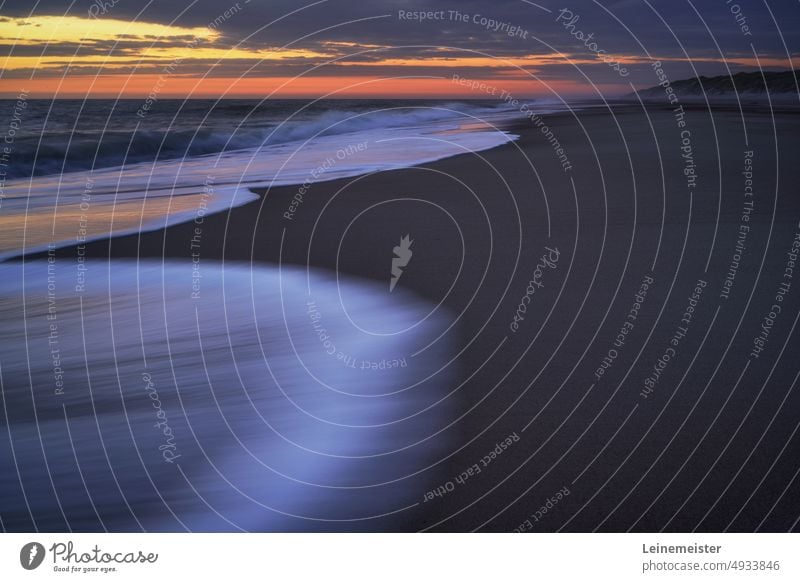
(140, 86)
(76, 57)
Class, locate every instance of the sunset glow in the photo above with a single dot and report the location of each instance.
(74, 56)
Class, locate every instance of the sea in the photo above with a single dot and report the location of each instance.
(279, 398)
(122, 168)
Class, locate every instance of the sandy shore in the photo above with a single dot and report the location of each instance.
(544, 265)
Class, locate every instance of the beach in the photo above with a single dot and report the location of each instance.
(597, 314)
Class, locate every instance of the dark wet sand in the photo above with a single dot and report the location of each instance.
(631, 215)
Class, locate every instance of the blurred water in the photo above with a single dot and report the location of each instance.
(78, 174)
(161, 398)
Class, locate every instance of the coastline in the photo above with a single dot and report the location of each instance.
(483, 224)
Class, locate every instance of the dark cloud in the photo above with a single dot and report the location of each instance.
(705, 31)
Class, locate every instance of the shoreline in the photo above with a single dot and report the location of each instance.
(481, 224)
(619, 106)
(508, 126)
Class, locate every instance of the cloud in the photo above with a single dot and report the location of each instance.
(286, 37)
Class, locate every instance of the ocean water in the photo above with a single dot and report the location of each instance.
(255, 405)
(81, 170)
(148, 396)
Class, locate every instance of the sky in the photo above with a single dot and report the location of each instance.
(382, 48)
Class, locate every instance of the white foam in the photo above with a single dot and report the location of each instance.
(267, 422)
(152, 195)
